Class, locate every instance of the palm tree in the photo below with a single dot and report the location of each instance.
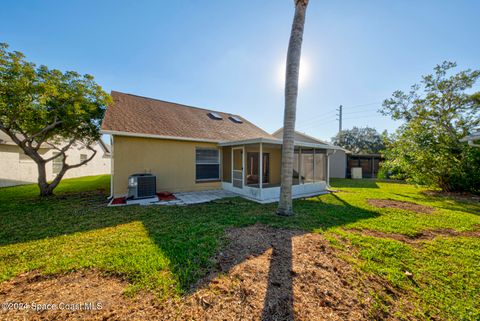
(291, 92)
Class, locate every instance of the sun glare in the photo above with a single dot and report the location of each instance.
(304, 72)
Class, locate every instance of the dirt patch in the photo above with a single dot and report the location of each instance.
(455, 195)
(419, 237)
(102, 297)
(385, 203)
(263, 274)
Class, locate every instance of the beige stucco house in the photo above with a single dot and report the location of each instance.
(473, 139)
(16, 168)
(192, 149)
(337, 165)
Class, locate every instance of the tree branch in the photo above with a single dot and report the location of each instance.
(62, 150)
(85, 161)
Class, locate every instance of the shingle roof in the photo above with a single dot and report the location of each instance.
(141, 115)
(302, 137)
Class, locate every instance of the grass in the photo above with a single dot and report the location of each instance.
(167, 249)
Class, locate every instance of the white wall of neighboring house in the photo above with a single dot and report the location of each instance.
(16, 168)
(338, 164)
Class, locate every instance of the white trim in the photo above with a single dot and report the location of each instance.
(272, 194)
(276, 142)
(328, 166)
(128, 134)
(250, 141)
(112, 195)
(260, 170)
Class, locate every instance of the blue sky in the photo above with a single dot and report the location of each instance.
(228, 55)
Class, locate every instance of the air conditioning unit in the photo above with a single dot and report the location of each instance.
(142, 186)
(356, 173)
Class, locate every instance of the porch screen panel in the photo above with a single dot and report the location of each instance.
(207, 164)
(307, 165)
(320, 165)
(296, 167)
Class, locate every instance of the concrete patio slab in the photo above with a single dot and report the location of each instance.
(186, 198)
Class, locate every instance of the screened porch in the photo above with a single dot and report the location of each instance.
(258, 177)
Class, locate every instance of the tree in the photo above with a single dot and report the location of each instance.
(361, 140)
(436, 114)
(41, 106)
(285, 206)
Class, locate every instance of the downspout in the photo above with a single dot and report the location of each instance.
(111, 168)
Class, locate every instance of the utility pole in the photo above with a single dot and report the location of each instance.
(340, 116)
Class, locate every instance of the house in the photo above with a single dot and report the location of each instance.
(337, 159)
(472, 139)
(16, 168)
(192, 149)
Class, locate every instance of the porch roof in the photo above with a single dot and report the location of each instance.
(275, 142)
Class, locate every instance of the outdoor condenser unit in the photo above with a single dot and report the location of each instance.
(142, 186)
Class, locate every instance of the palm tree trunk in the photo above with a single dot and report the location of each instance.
(291, 92)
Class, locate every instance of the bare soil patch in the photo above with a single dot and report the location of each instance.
(420, 237)
(101, 295)
(455, 195)
(262, 274)
(403, 205)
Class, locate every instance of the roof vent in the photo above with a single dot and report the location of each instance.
(235, 119)
(213, 115)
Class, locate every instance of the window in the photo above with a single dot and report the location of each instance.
(207, 164)
(57, 163)
(83, 157)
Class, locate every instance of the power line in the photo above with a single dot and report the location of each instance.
(367, 116)
(360, 111)
(367, 104)
(332, 115)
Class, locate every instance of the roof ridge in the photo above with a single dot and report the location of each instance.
(174, 103)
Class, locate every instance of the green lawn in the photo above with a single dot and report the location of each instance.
(166, 249)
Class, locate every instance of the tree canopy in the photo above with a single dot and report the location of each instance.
(360, 140)
(436, 114)
(41, 106)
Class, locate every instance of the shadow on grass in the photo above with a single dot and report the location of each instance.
(468, 206)
(353, 183)
(188, 236)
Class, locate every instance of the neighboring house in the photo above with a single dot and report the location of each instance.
(191, 149)
(16, 168)
(473, 139)
(337, 160)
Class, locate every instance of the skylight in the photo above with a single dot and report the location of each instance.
(235, 119)
(214, 115)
